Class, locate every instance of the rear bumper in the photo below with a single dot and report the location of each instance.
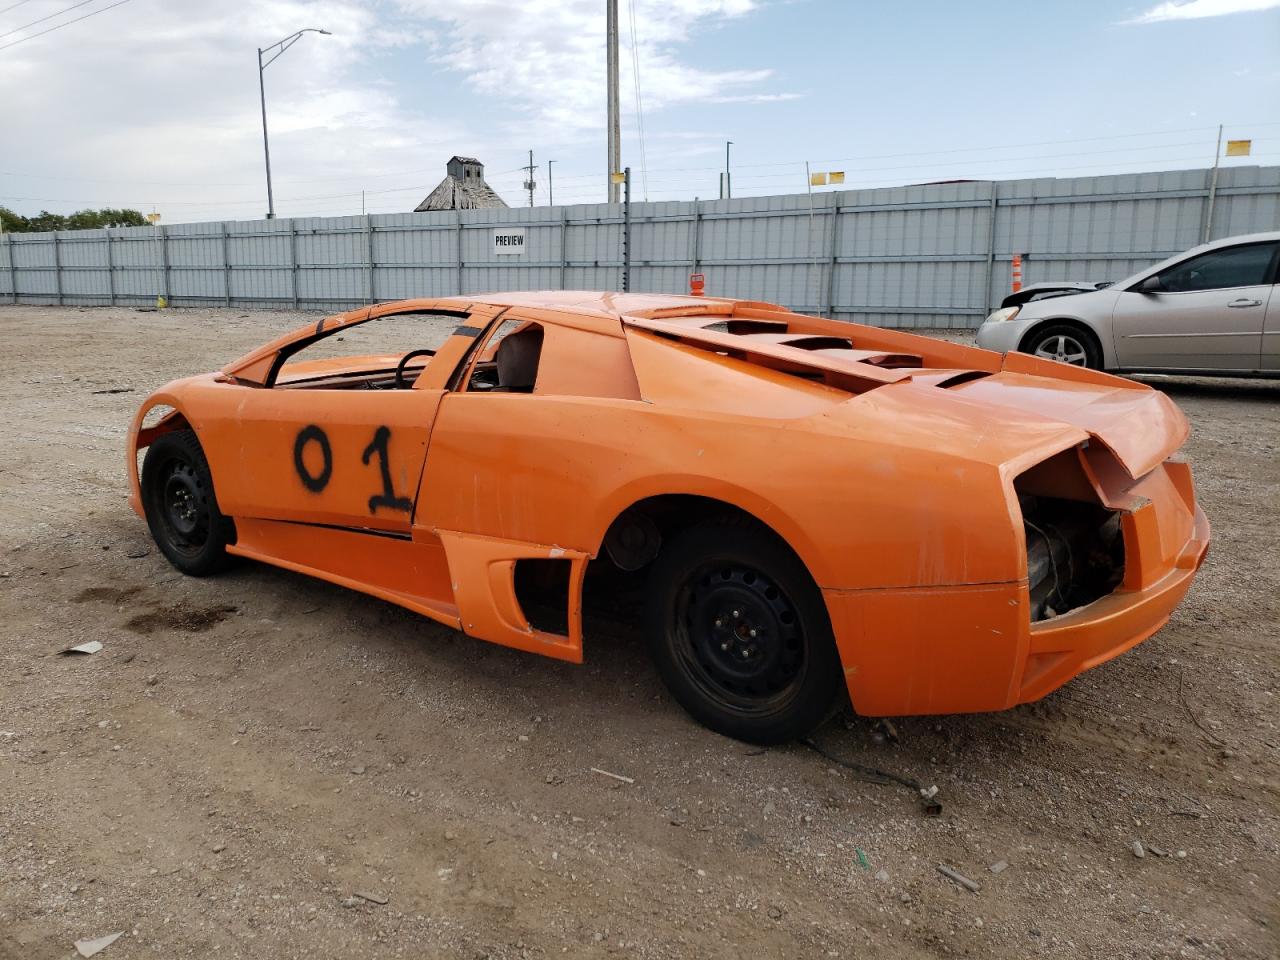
(1066, 646)
(970, 649)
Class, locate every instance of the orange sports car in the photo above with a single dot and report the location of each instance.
(805, 506)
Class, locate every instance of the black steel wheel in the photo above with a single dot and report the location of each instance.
(740, 634)
(179, 502)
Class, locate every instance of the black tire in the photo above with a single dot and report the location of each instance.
(713, 585)
(181, 509)
(1065, 342)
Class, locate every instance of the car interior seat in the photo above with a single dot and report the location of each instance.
(517, 360)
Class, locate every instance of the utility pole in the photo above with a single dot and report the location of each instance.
(551, 192)
(626, 231)
(530, 184)
(611, 85)
(728, 183)
(1213, 190)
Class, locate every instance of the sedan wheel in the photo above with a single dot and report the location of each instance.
(1064, 349)
(1064, 343)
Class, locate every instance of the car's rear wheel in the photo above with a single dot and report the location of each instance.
(740, 634)
(1065, 343)
(179, 503)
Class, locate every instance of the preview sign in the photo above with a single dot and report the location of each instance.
(508, 241)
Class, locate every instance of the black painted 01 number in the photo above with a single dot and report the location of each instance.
(378, 447)
(387, 498)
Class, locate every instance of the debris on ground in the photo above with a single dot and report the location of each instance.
(959, 878)
(1000, 866)
(931, 806)
(377, 898)
(91, 646)
(89, 948)
(1138, 851)
(885, 728)
(615, 776)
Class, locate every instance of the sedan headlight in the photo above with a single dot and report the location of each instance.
(1004, 313)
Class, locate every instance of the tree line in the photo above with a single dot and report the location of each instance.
(45, 221)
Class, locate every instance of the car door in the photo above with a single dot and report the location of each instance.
(1203, 313)
(1271, 330)
(333, 440)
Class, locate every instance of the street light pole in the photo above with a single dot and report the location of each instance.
(728, 183)
(280, 47)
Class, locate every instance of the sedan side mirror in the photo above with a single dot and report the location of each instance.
(1151, 285)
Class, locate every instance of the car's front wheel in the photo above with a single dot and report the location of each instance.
(181, 510)
(1065, 343)
(740, 634)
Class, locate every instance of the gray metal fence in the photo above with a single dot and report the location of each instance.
(925, 256)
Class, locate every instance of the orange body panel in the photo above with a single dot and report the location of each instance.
(886, 461)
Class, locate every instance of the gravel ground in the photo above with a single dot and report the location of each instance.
(262, 765)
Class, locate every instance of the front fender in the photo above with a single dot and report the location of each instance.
(140, 437)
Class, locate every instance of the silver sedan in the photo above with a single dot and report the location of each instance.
(1211, 310)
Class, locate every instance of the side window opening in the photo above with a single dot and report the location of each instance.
(525, 356)
(384, 353)
(1244, 266)
(509, 361)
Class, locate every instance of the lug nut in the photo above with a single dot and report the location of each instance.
(725, 646)
(735, 614)
(753, 633)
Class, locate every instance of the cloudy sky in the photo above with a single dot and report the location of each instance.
(154, 103)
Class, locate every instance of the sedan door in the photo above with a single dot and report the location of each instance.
(1271, 331)
(1203, 313)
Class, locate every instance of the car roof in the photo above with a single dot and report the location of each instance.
(1240, 238)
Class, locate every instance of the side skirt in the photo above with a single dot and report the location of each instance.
(410, 572)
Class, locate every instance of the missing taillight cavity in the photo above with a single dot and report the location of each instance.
(1075, 553)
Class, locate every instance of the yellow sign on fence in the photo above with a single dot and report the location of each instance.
(1239, 148)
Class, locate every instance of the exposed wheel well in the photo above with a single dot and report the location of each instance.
(1083, 328)
(655, 520)
(158, 419)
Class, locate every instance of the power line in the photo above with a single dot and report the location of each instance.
(61, 25)
(635, 75)
(568, 178)
(49, 17)
(14, 6)
(680, 185)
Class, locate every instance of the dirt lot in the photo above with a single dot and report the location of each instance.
(248, 754)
